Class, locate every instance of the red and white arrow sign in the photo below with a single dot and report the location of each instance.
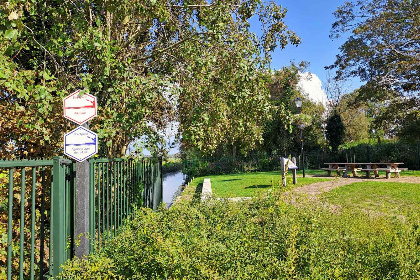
(79, 109)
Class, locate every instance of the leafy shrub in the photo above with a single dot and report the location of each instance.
(94, 267)
(227, 165)
(262, 239)
(171, 166)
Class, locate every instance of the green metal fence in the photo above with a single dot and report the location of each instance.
(153, 182)
(37, 202)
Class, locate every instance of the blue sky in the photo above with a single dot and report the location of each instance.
(311, 21)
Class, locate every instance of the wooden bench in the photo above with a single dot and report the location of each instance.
(336, 170)
(354, 167)
(368, 170)
(387, 170)
(392, 170)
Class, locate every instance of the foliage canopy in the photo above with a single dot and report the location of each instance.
(148, 62)
(383, 50)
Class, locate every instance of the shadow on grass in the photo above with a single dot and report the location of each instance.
(322, 175)
(197, 194)
(230, 180)
(258, 187)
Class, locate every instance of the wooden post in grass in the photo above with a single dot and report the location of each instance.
(283, 171)
(294, 171)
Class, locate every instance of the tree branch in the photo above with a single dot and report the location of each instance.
(57, 66)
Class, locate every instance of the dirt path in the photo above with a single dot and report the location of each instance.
(318, 188)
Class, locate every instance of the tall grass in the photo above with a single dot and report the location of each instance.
(264, 238)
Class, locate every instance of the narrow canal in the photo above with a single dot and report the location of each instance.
(171, 183)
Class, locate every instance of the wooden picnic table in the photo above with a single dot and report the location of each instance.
(354, 167)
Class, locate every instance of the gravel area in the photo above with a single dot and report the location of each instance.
(318, 188)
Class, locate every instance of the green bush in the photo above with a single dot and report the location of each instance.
(227, 165)
(261, 239)
(94, 267)
(171, 166)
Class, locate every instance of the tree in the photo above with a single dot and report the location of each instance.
(282, 129)
(335, 131)
(383, 50)
(384, 45)
(136, 56)
(355, 118)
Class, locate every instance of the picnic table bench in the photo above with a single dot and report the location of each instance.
(337, 169)
(367, 167)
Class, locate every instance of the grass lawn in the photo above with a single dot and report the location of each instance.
(324, 173)
(250, 184)
(386, 197)
(411, 173)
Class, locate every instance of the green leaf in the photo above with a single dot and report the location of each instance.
(46, 76)
(11, 34)
(9, 51)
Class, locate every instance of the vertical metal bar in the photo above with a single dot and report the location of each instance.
(107, 199)
(131, 187)
(125, 189)
(121, 204)
(99, 205)
(124, 194)
(114, 183)
(33, 223)
(72, 179)
(42, 227)
(51, 237)
(103, 202)
(9, 225)
(58, 217)
(67, 209)
(22, 222)
(131, 182)
(119, 194)
(145, 184)
(128, 184)
(114, 200)
(92, 222)
(161, 179)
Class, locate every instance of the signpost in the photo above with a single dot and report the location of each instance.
(285, 165)
(80, 144)
(78, 108)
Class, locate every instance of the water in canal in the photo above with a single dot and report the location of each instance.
(171, 183)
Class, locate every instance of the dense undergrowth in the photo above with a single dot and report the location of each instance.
(260, 239)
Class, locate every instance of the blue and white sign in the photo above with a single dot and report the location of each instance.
(80, 144)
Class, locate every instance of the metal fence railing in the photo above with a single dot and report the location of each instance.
(37, 201)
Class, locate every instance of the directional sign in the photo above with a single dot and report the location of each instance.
(79, 109)
(80, 144)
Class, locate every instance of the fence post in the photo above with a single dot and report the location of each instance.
(283, 171)
(58, 215)
(157, 184)
(89, 180)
